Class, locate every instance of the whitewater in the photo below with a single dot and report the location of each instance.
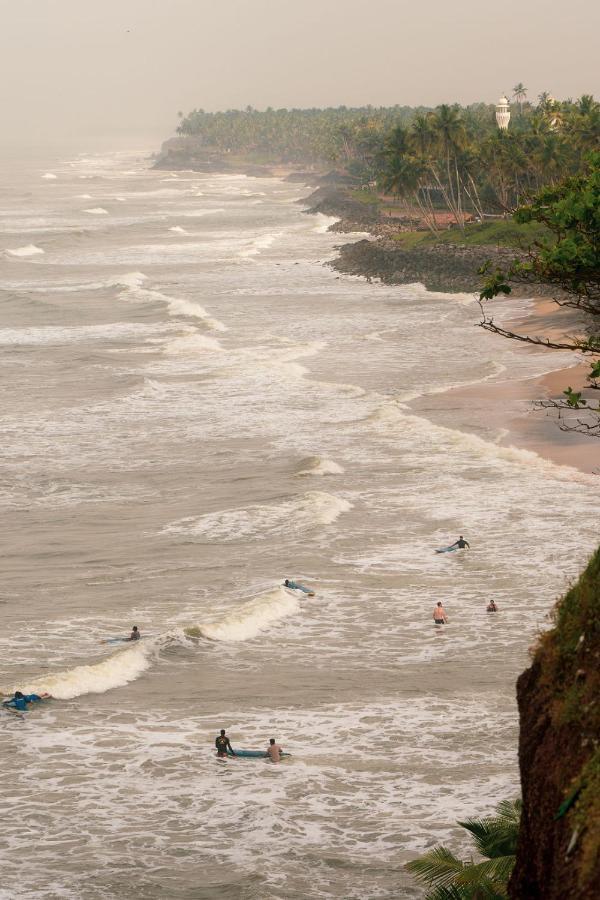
(196, 407)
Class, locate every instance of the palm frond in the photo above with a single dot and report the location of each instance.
(496, 835)
(438, 867)
(449, 893)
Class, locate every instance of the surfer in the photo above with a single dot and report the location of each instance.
(20, 700)
(223, 745)
(439, 614)
(491, 607)
(294, 586)
(460, 544)
(274, 751)
(134, 636)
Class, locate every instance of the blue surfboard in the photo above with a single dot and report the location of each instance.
(446, 550)
(252, 754)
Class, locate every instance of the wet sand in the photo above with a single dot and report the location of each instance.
(510, 403)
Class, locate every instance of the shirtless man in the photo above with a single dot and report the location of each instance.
(439, 614)
(491, 607)
(273, 751)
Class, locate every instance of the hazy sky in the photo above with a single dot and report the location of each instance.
(119, 69)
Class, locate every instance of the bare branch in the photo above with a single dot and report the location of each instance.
(575, 345)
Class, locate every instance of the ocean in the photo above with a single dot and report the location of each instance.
(194, 408)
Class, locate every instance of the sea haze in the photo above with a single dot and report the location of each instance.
(195, 408)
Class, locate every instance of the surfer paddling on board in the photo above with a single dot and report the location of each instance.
(134, 636)
(223, 745)
(294, 586)
(21, 701)
(439, 614)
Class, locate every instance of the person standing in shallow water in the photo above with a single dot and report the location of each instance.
(439, 614)
(223, 745)
(273, 751)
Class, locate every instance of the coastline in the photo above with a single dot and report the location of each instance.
(447, 268)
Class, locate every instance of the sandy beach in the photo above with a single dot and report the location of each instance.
(511, 402)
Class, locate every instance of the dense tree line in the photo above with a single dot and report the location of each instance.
(447, 158)
(296, 135)
(452, 158)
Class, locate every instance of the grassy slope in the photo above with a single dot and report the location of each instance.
(499, 233)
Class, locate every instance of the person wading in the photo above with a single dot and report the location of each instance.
(439, 614)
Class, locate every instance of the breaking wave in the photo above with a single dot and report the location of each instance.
(198, 213)
(192, 343)
(133, 284)
(260, 243)
(27, 250)
(248, 619)
(115, 671)
(317, 465)
(261, 521)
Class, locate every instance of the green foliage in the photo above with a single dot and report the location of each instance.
(574, 398)
(495, 838)
(567, 258)
(452, 158)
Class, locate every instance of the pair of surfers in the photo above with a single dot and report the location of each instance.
(224, 748)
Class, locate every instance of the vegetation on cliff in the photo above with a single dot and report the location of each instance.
(558, 853)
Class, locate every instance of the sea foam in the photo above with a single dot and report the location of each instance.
(27, 250)
(97, 211)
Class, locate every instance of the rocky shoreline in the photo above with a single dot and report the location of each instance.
(450, 268)
(446, 267)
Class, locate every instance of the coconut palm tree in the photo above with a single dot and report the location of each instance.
(519, 94)
(495, 839)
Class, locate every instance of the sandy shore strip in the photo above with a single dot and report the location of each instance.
(506, 407)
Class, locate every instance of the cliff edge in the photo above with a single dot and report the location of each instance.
(559, 755)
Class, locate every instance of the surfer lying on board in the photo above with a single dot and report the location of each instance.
(294, 586)
(439, 614)
(274, 751)
(223, 745)
(20, 701)
(460, 544)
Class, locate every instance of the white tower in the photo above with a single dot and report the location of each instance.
(502, 113)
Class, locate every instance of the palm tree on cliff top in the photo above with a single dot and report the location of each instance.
(519, 94)
(495, 838)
